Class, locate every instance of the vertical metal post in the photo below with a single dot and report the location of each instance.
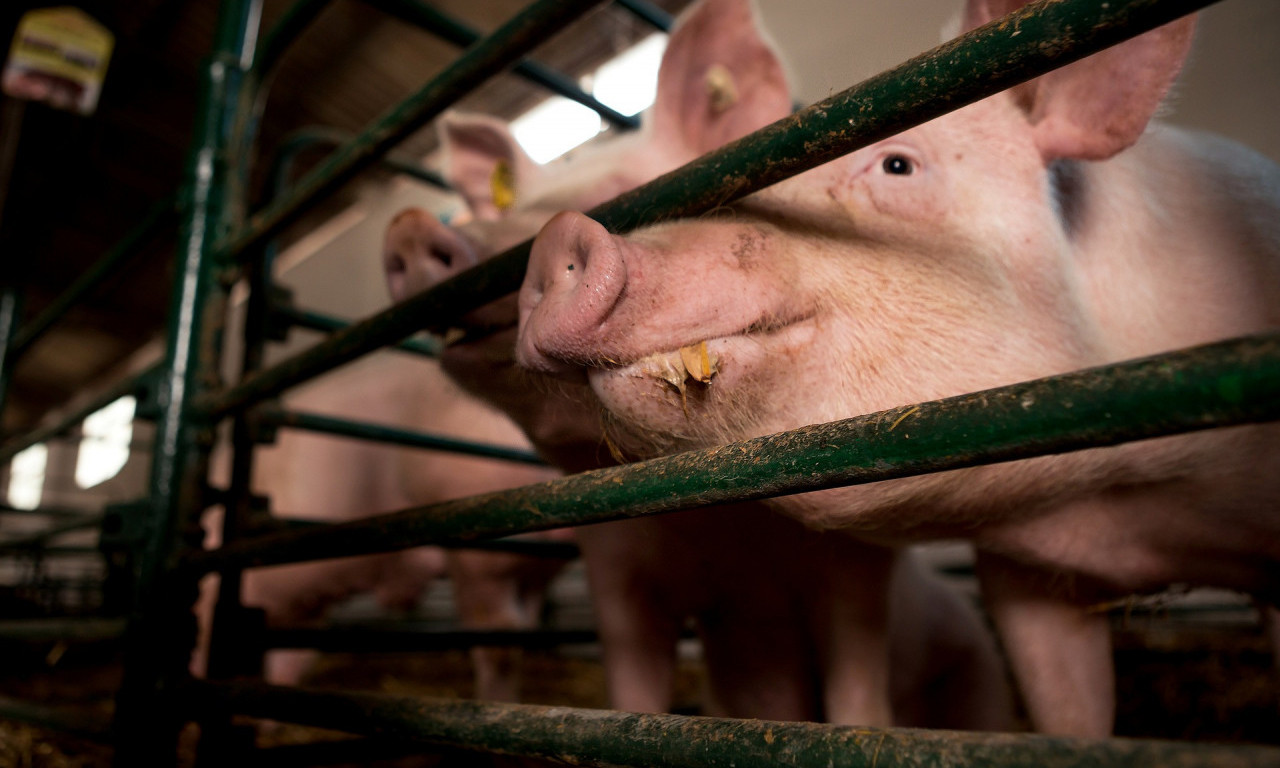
(161, 628)
(10, 315)
(221, 741)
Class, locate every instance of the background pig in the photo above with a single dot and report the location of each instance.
(1009, 240)
(795, 625)
(325, 478)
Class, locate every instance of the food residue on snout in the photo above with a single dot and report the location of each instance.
(694, 362)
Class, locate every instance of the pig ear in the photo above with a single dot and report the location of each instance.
(1099, 105)
(484, 163)
(719, 79)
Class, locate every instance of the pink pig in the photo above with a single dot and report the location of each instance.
(795, 625)
(1009, 240)
(335, 479)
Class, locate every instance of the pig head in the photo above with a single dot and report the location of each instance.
(794, 625)
(718, 80)
(1035, 232)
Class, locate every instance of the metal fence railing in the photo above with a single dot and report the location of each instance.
(1167, 394)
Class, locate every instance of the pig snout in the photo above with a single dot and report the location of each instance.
(576, 275)
(420, 251)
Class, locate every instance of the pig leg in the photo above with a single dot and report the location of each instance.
(946, 669)
(1271, 622)
(1060, 653)
(499, 591)
(855, 647)
(637, 625)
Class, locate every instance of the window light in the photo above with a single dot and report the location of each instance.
(629, 82)
(104, 447)
(26, 476)
(554, 127)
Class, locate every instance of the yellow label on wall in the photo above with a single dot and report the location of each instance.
(59, 56)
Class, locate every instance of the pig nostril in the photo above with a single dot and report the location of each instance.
(441, 255)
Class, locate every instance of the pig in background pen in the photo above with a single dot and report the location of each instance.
(990, 246)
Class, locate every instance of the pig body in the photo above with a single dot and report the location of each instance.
(333, 479)
(1009, 240)
(795, 625)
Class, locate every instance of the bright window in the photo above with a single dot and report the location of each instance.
(627, 83)
(554, 127)
(26, 476)
(104, 447)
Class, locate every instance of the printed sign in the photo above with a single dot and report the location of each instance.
(59, 56)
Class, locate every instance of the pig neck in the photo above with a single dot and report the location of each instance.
(1178, 244)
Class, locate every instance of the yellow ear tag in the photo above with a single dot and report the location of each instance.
(503, 185)
(721, 88)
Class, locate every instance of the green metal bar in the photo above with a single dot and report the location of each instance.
(307, 138)
(408, 637)
(160, 215)
(974, 66)
(590, 737)
(36, 539)
(516, 545)
(161, 630)
(648, 13)
(486, 58)
(10, 316)
(317, 321)
(8, 510)
(454, 31)
(284, 33)
(314, 422)
(69, 551)
(132, 386)
(84, 723)
(79, 630)
(1221, 384)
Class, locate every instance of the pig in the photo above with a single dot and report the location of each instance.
(334, 479)
(795, 625)
(1041, 230)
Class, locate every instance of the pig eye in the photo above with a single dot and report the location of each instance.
(898, 165)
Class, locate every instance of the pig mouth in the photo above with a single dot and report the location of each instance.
(702, 361)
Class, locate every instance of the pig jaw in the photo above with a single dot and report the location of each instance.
(660, 345)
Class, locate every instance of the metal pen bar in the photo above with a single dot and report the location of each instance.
(70, 551)
(84, 630)
(160, 632)
(278, 39)
(11, 301)
(511, 42)
(967, 69)
(38, 538)
(648, 13)
(131, 386)
(515, 545)
(305, 138)
(8, 509)
(314, 422)
(454, 31)
(160, 215)
(317, 321)
(1222, 384)
(407, 638)
(591, 737)
(84, 723)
